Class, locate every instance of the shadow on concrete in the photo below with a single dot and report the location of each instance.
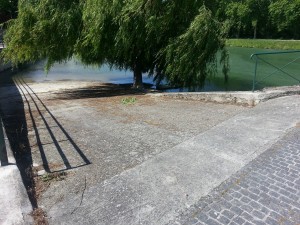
(35, 104)
(3, 151)
(14, 122)
(18, 101)
(100, 91)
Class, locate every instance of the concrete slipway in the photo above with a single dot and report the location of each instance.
(184, 165)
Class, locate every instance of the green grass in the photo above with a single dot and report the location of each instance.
(265, 44)
(58, 176)
(129, 100)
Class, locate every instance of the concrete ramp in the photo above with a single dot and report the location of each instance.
(157, 190)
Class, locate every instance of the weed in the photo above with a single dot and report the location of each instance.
(58, 176)
(128, 100)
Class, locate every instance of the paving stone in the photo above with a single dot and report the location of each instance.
(247, 216)
(236, 195)
(191, 221)
(271, 221)
(274, 194)
(236, 210)
(239, 220)
(233, 223)
(255, 205)
(265, 192)
(258, 214)
(225, 204)
(257, 222)
(212, 222)
(247, 208)
(213, 214)
(223, 220)
(228, 214)
(265, 210)
(247, 223)
(245, 199)
(202, 217)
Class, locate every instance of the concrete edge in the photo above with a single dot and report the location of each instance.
(15, 205)
(10, 155)
(247, 98)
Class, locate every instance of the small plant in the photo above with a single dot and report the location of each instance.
(128, 100)
(58, 176)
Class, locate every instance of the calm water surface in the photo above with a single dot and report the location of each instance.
(240, 76)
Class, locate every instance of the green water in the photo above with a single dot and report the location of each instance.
(242, 70)
(240, 75)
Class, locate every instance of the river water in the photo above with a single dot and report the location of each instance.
(240, 76)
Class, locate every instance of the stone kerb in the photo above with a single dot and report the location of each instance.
(247, 98)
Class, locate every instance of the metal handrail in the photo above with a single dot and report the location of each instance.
(256, 55)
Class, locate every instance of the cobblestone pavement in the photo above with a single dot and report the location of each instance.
(266, 191)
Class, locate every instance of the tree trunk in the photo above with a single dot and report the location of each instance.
(254, 25)
(137, 78)
(255, 32)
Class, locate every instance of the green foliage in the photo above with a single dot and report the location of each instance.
(264, 44)
(43, 29)
(173, 40)
(184, 56)
(129, 100)
(177, 40)
(247, 18)
(285, 16)
(238, 15)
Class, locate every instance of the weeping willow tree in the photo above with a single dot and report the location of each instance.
(43, 29)
(176, 40)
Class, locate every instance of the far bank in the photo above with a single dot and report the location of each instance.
(264, 44)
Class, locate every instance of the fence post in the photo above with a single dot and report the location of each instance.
(254, 76)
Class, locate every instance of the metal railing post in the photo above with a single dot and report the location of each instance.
(254, 76)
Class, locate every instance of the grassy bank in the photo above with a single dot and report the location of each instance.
(265, 44)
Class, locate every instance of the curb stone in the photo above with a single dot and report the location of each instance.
(238, 97)
(15, 207)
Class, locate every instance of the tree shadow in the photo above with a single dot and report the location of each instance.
(101, 91)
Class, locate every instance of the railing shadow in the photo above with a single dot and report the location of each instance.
(35, 104)
(20, 107)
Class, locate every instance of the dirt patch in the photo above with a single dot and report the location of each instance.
(42, 183)
(39, 216)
